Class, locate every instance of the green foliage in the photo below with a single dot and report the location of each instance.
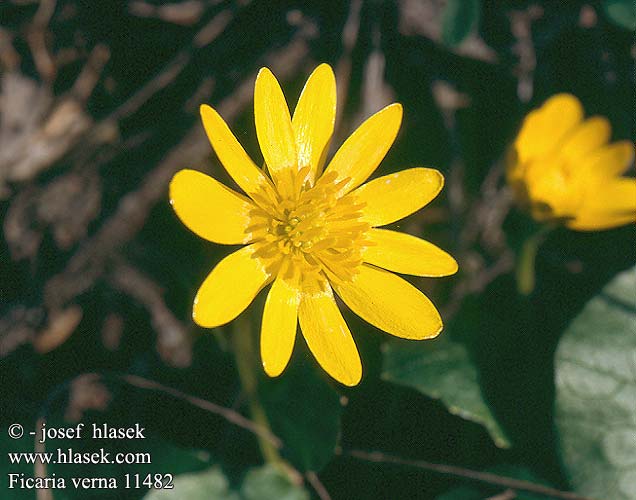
(260, 483)
(621, 12)
(270, 483)
(596, 393)
(203, 485)
(459, 19)
(98, 205)
(304, 411)
(442, 369)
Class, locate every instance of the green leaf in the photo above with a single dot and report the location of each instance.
(595, 370)
(304, 411)
(621, 13)
(209, 484)
(260, 483)
(481, 491)
(270, 483)
(442, 369)
(459, 19)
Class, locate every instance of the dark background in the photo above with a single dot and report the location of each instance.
(99, 108)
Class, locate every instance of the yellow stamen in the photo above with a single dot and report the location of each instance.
(309, 229)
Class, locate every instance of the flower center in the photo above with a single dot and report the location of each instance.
(554, 190)
(309, 229)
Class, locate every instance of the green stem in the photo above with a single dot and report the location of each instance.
(525, 271)
(242, 339)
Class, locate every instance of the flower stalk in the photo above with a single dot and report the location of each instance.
(242, 340)
(526, 261)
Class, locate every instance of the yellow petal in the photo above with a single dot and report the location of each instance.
(610, 205)
(390, 303)
(549, 185)
(406, 254)
(229, 288)
(210, 209)
(273, 124)
(544, 128)
(231, 154)
(278, 330)
(363, 151)
(314, 119)
(393, 197)
(609, 161)
(327, 334)
(600, 221)
(616, 196)
(587, 137)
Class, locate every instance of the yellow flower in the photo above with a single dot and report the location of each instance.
(563, 168)
(311, 231)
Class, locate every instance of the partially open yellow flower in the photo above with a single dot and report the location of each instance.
(311, 231)
(563, 168)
